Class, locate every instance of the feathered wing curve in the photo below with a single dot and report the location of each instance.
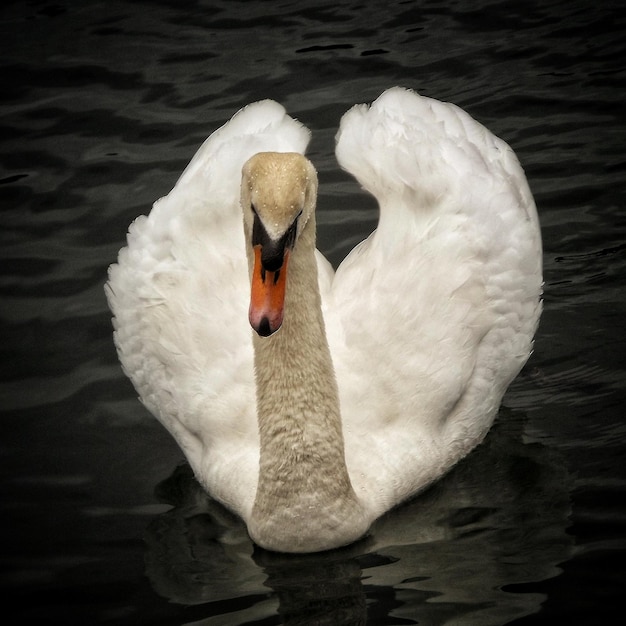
(180, 295)
(428, 320)
(436, 310)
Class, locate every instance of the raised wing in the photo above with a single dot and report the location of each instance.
(180, 292)
(435, 311)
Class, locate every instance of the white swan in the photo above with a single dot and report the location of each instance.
(382, 375)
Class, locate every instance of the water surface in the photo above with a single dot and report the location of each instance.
(103, 105)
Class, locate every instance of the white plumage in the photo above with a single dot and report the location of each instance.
(428, 320)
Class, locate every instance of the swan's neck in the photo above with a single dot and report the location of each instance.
(304, 496)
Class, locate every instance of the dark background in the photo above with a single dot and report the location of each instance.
(103, 104)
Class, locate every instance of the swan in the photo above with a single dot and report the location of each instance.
(307, 401)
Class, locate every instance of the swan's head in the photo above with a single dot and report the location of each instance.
(278, 196)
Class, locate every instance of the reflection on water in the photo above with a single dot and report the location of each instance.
(103, 105)
(497, 521)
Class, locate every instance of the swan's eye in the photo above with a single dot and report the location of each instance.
(296, 220)
(253, 209)
(290, 235)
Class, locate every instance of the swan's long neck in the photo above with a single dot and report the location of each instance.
(304, 494)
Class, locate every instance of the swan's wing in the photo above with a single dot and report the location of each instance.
(180, 293)
(432, 316)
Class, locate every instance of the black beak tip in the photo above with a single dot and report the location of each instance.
(264, 329)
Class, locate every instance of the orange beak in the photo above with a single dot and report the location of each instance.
(267, 300)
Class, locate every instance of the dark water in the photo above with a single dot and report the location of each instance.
(103, 104)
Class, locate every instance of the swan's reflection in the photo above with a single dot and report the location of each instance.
(457, 552)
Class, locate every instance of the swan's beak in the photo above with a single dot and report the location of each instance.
(267, 300)
(269, 276)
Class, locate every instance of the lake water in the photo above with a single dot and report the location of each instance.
(103, 105)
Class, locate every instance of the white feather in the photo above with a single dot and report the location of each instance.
(428, 320)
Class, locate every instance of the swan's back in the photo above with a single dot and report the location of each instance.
(437, 309)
